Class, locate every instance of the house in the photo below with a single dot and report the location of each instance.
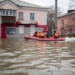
(18, 18)
(66, 24)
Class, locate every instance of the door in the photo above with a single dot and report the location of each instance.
(32, 29)
(21, 31)
(62, 32)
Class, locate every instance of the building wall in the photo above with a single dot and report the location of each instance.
(0, 26)
(40, 14)
(0, 23)
(40, 21)
(65, 23)
(8, 5)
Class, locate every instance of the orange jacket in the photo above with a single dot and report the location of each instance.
(41, 34)
(56, 35)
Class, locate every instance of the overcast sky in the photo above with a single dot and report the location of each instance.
(63, 4)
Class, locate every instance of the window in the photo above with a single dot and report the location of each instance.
(32, 16)
(14, 12)
(62, 22)
(20, 15)
(8, 12)
(3, 12)
(10, 31)
(21, 29)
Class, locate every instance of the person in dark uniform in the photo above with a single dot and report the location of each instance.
(47, 34)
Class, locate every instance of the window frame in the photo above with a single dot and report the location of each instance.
(12, 30)
(8, 12)
(21, 15)
(32, 16)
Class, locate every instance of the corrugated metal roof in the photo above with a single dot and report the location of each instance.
(22, 3)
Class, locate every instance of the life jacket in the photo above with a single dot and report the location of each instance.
(41, 34)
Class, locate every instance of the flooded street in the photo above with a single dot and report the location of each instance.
(29, 57)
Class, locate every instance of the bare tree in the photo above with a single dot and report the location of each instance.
(51, 19)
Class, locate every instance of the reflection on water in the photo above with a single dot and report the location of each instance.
(29, 57)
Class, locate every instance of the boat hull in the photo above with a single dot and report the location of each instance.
(44, 39)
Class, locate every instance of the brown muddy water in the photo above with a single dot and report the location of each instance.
(29, 57)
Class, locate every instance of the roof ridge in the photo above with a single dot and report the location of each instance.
(24, 4)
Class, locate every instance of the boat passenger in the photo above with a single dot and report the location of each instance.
(55, 35)
(47, 34)
(41, 35)
(35, 34)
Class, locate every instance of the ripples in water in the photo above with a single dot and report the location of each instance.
(23, 57)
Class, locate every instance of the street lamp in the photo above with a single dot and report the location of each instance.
(55, 15)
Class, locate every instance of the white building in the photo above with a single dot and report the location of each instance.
(18, 18)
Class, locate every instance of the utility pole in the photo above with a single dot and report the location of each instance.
(55, 28)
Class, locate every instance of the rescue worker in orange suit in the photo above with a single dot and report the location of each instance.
(41, 35)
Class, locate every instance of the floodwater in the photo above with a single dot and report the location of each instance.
(29, 57)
